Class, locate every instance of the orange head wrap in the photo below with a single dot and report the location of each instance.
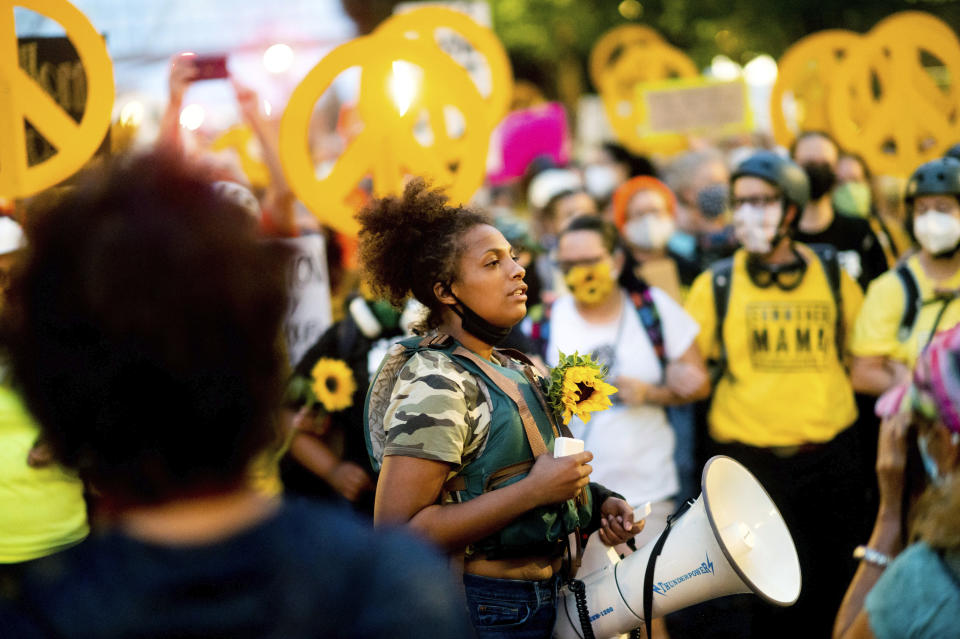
(626, 191)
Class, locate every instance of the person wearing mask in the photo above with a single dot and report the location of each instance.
(644, 210)
(460, 430)
(607, 167)
(555, 196)
(913, 592)
(905, 307)
(143, 329)
(699, 180)
(860, 252)
(853, 196)
(647, 342)
(327, 456)
(773, 319)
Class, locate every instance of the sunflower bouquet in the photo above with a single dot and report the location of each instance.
(577, 388)
(329, 387)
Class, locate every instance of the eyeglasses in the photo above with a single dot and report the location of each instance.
(754, 200)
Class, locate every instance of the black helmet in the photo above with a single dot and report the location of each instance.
(937, 177)
(779, 171)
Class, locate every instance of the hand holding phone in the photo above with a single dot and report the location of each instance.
(210, 67)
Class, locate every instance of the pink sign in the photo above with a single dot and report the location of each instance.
(526, 134)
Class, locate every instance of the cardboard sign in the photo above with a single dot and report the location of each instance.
(309, 283)
(696, 106)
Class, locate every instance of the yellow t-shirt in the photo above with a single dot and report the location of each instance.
(42, 510)
(788, 387)
(877, 327)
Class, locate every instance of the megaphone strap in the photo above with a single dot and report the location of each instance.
(651, 564)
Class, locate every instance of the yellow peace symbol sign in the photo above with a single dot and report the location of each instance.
(620, 86)
(427, 23)
(805, 73)
(909, 118)
(391, 144)
(21, 98)
(242, 140)
(612, 44)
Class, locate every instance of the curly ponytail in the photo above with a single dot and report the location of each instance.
(409, 243)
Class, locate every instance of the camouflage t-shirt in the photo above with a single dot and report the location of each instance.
(437, 410)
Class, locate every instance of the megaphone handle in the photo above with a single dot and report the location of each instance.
(652, 562)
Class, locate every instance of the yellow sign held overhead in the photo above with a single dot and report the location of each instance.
(621, 61)
(242, 140)
(21, 99)
(614, 42)
(420, 111)
(805, 72)
(911, 119)
(873, 92)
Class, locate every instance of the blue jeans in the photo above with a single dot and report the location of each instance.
(511, 607)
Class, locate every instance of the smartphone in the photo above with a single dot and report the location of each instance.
(210, 67)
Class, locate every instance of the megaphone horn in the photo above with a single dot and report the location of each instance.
(731, 540)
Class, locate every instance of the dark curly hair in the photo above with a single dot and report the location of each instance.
(409, 243)
(143, 330)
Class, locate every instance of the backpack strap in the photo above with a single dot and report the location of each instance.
(827, 254)
(512, 390)
(650, 319)
(538, 328)
(722, 271)
(912, 302)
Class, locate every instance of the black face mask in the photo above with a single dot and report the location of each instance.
(477, 326)
(822, 178)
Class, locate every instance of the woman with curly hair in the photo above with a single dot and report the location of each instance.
(143, 328)
(460, 427)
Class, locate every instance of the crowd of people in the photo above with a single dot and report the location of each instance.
(776, 306)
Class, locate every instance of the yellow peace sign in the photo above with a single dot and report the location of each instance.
(805, 72)
(241, 139)
(387, 148)
(619, 89)
(21, 98)
(425, 22)
(910, 120)
(614, 42)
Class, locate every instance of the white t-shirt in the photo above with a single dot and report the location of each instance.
(632, 445)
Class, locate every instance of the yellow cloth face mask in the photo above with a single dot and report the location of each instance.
(590, 283)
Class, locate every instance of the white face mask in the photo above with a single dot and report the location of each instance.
(755, 227)
(600, 180)
(649, 232)
(937, 232)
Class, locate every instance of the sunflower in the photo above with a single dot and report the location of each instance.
(577, 388)
(333, 384)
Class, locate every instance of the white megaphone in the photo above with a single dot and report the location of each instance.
(731, 540)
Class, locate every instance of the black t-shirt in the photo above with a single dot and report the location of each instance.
(309, 571)
(849, 234)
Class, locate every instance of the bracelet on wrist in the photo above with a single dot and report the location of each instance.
(872, 556)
